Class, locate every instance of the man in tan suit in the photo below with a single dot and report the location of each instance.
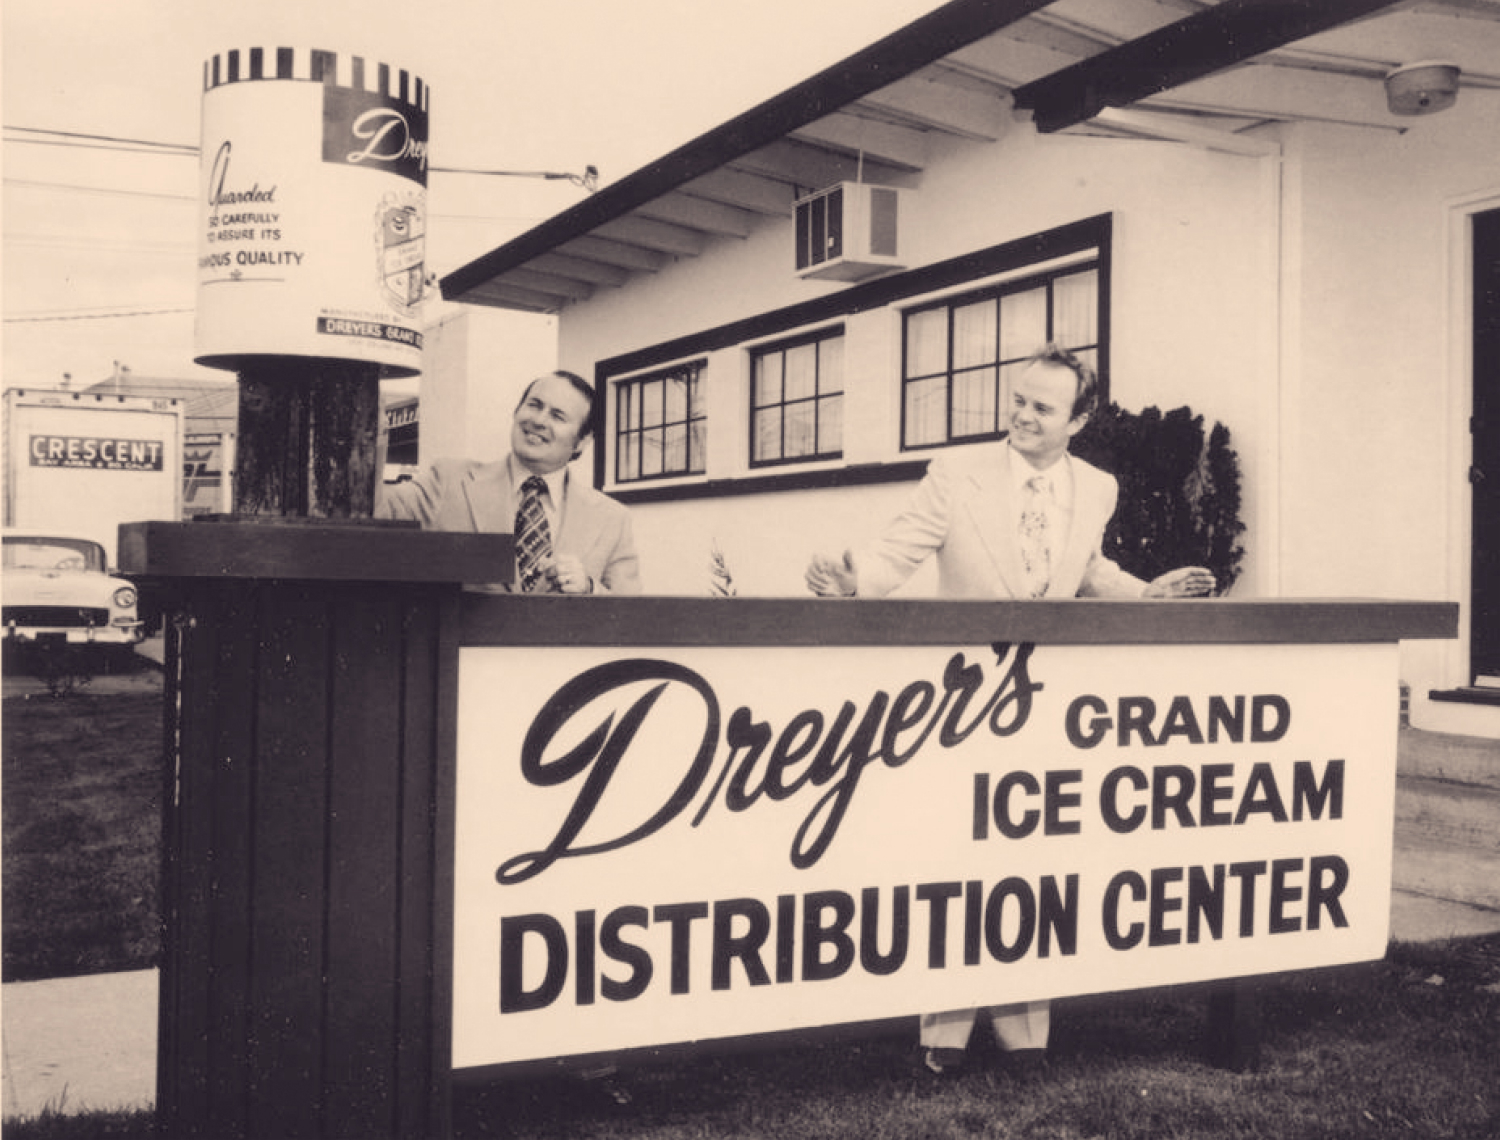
(1022, 519)
(591, 547)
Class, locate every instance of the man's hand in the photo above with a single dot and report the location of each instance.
(1187, 582)
(829, 578)
(566, 575)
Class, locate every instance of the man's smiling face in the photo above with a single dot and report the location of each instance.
(548, 424)
(1041, 415)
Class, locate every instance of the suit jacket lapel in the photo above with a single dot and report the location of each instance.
(487, 493)
(1083, 532)
(575, 517)
(992, 508)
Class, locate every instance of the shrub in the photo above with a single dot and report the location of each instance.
(1179, 491)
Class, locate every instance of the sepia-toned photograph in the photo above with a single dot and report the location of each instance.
(854, 570)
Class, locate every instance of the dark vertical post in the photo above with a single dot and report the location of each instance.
(307, 436)
(1233, 1032)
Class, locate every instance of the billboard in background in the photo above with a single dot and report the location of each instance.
(207, 471)
(670, 845)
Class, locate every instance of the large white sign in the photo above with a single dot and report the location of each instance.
(677, 844)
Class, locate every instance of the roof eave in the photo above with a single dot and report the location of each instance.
(909, 49)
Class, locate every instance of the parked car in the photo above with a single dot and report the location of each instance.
(58, 589)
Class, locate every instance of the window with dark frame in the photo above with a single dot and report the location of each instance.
(797, 400)
(960, 355)
(660, 425)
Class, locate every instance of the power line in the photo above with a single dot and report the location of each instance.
(588, 180)
(42, 318)
(37, 184)
(72, 145)
(177, 147)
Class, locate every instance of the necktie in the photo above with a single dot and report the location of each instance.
(1036, 552)
(533, 538)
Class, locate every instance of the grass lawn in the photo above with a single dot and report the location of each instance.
(82, 832)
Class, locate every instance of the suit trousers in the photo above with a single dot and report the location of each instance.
(1023, 1025)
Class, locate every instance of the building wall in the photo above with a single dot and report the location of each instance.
(476, 363)
(1190, 251)
(1378, 390)
(1310, 297)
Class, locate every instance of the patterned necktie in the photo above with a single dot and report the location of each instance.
(533, 539)
(1036, 551)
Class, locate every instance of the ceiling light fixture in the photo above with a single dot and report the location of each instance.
(1421, 88)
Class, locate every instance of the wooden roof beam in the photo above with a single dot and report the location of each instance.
(767, 196)
(812, 168)
(659, 236)
(930, 105)
(620, 254)
(699, 214)
(581, 269)
(1199, 45)
(902, 147)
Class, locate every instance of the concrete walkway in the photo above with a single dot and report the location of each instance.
(79, 1044)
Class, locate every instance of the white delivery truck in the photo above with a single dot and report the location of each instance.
(76, 465)
(82, 463)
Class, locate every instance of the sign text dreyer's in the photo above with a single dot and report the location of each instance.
(366, 129)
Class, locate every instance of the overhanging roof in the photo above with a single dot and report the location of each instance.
(1193, 70)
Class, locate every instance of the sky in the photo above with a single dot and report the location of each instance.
(100, 240)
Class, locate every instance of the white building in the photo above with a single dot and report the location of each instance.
(1228, 206)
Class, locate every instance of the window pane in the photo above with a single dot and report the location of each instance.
(800, 430)
(1023, 323)
(695, 395)
(699, 454)
(767, 379)
(927, 342)
(674, 448)
(651, 445)
(626, 466)
(974, 334)
(629, 413)
(830, 425)
(831, 365)
(926, 412)
(767, 443)
(651, 402)
(974, 402)
(801, 372)
(1075, 309)
(676, 393)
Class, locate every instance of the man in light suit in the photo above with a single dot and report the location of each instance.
(1023, 519)
(592, 546)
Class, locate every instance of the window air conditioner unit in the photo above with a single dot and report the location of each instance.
(847, 232)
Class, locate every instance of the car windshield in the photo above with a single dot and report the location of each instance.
(53, 554)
